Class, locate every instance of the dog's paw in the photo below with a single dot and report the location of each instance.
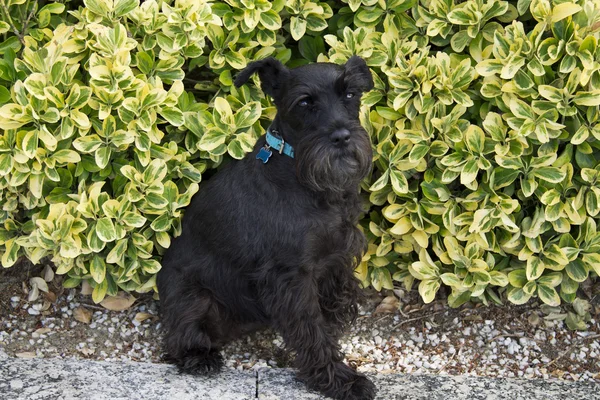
(347, 384)
(362, 389)
(200, 363)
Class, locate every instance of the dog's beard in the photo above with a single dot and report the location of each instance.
(323, 167)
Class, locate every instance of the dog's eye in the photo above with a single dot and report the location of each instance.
(304, 102)
(349, 95)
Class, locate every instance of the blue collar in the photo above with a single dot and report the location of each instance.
(274, 141)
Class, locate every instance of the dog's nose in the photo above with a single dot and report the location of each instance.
(340, 137)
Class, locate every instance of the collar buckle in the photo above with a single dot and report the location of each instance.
(274, 142)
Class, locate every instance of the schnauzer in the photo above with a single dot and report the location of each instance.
(271, 240)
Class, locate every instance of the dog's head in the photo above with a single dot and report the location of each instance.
(317, 113)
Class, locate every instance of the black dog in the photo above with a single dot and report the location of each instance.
(272, 240)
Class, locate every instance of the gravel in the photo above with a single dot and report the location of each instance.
(484, 341)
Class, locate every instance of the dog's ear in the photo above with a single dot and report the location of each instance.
(357, 74)
(272, 73)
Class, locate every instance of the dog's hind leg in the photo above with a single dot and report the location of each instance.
(192, 332)
(294, 306)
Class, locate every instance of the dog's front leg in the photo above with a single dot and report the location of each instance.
(297, 314)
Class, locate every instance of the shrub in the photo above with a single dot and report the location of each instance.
(483, 121)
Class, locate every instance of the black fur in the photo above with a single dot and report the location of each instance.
(276, 244)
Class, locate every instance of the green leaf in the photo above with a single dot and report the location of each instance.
(236, 60)
(551, 280)
(452, 280)
(100, 290)
(87, 144)
(99, 7)
(270, 20)
(548, 295)
(535, 268)
(66, 156)
(564, 10)
(592, 260)
(428, 289)
(475, 139)
(577, 270)
(518, 296)
(369, 15)
(105, 229)
(530, 287)
(123, 7)
(247, 115)
(459, 40)
(211, 140)
(4, 27)
(297, 27)
(116, 255)
(424, 270)
(35, 84)
(71, 283)
(311, 47)
(388, 113)
(568, 286)
(461, 16)
(133, 219)
(18, 178)
(575, 322)
(489, 67)
(315, 23)
(11, 253)
(549, 174)
(173, 116)
(517, 278)
(97, 269)
(235, 150)
(523, 6)
(418, 151)
(590, 99)
(556, 254)
(401, 227)
(144, 62)
(457, 299)
(102, 156)
(520, 109)
(399, 182)
(162, 223)
(163, 239)
(528, 186)
(154, 172)
(4, 95)
(381, 278)
(30, 143)
(498, 278)
(469, 172)
(80, 119)
(150, 266)
(36, 182)
(10, 44)
(551, 93)
(6, 164)
(156, 201)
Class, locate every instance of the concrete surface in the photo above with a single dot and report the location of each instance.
(280, 384)
(41, 379)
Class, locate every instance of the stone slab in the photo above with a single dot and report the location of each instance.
(41, 379)
(281, 384)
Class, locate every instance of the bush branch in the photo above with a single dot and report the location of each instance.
(31, 14)
(11, 22)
